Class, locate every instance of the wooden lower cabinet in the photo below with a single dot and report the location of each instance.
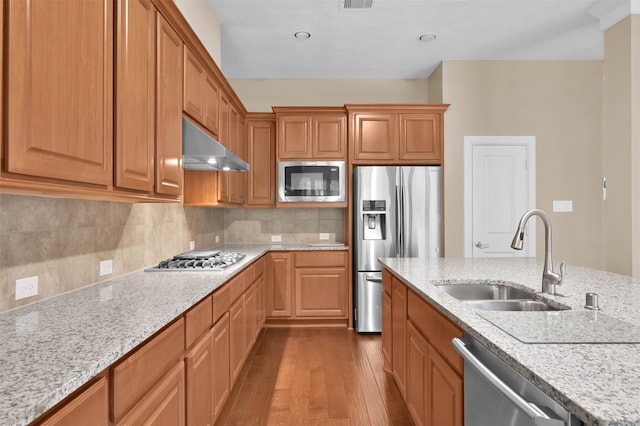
(446, 393)
(279, 297)
(321, 292)
(387, 341)
(91, 406)
(417, 376)
(237, 338)
(199, 374)
(221, 381)
(164, 404)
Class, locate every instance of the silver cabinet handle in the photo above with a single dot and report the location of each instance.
(373, 279)
(538, 416)
(479, 245)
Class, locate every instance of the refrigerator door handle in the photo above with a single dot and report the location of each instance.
(398, 222)
(373, 279)
(403, 222)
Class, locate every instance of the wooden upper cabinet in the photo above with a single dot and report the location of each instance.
(400, 134)
(309, 133)
(375, 136)
(261, 150)
(211, 97)
(59, 100)
(420, 136)
(193, 90)
(168, 110)
(135, 95)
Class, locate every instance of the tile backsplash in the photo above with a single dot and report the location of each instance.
(62, 241)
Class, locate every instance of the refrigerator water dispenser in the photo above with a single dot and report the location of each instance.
(374, 221)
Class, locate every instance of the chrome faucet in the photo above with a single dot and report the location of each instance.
(550, 279)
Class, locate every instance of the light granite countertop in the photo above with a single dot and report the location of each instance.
(599, 383)
(51, 348)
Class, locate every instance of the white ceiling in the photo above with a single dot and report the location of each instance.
(382, 42)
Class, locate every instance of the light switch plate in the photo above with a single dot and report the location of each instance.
(217, 239)
(106, 267)
(324, 236)
(562, 206)
(192, 245)
(26, 287)
(276, 238)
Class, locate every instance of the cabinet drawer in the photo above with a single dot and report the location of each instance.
(221, 301)
(198, 320)
(249, 275)
(91, 406)
(437, 328)
(259, 267)
(236, 287)
(312, 259)
(134, 376)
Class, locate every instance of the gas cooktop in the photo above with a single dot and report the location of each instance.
(202, 260)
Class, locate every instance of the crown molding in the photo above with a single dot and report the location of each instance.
(610, 12)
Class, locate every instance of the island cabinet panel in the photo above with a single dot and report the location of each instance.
(164, 404)
(90, 406)
(261, 151)
(399, 333)
(418, 381)
(387, 321)
(139, 372)
(168, 110)
(59, 95)
(221, 385)
(445, 393)
(199, 363)
(135, 95)
(279, 297)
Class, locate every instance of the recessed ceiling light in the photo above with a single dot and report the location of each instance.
(302, 35)
(427, 37)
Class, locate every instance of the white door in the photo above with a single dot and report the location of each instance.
(500, 177)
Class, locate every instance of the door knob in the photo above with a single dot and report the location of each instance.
(479, 245)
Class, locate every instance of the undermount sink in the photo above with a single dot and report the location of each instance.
(485, 292)
(496, 297)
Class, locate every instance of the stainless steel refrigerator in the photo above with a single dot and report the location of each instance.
(397, 212)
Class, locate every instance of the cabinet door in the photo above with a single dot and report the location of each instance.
(164, 404)
(329, 137)
(420, 136)
(211, 97)
(169, 111)
(59, 96)
(399, 333)
(199, 375)
(279, 297)
(221, 363)
(294, 137)
(446, 393)
(91, 406)
(261, 157)
(237, 338)
(135, 94)
(193, 86)
(249, 299)
(375, 136)
(321, 292)
(387, 343)
(418, 380)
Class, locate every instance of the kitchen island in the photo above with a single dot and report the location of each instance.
(53, 347)
(599, 383)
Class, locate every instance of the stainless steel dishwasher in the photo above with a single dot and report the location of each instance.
(496, 394)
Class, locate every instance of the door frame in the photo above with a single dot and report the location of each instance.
(529, 142)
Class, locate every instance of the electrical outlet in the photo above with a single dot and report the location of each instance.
(192, 245)
(564, 206)
(106, 267)
(26, 287)
(276, 238)
(324, 236)
(217, 239)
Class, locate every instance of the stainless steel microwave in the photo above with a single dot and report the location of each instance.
(311, 181)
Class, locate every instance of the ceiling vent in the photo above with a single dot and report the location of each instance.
(358, 4)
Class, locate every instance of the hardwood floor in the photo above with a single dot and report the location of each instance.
(315, 376)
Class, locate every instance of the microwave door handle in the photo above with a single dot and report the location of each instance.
(538, 416)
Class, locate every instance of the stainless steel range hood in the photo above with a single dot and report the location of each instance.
(202, 152)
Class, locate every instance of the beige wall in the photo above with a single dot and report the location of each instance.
(558, 102)
(616, 149)
(435, 85)
(205, 24)
(259, 95)
(63, 240)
